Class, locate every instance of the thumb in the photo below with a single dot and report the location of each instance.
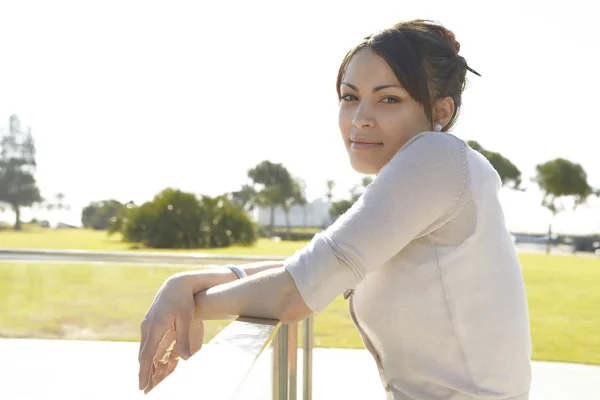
(182, 331)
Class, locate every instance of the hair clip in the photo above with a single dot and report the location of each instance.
(473, 71)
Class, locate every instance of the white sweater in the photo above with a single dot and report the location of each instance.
(438, 294)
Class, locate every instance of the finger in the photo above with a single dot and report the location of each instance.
(143, 335)
(173, 361)
(165, 347)
(161, 357)
(196, 335)
(159, 374)
(149, 386)
(156, 331)
(171, 366)
(182, 329)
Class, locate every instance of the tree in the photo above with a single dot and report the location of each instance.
(88, 213)
(99, 215)
(330, 187)
(340, 207)
(60, 202)
(273, 185)
(329, 194)
(224, 223)
(171, 220)
(18, 187)
(296, 197)
(508, 172)
(118, 223)
(359, 189)
(57, 204)
(176, 219)
(245, 198)
(302, 201)
(560, 178)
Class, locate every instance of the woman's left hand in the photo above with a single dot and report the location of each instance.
(169, 331)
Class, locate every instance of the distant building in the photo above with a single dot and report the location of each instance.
(315, 214)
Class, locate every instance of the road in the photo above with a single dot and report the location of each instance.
(186, 259)
(128, 257)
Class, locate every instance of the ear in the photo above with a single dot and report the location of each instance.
(444, 109)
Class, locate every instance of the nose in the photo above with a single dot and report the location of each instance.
(362, 118)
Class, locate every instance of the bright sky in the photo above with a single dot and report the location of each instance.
(125, 98)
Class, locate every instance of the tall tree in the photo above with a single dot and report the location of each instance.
(508, 172)
(18, 187)
(274, 185)
(359, 189)
(558, 179)
(340, 207)
(101, 214)
(60, 201)
(245, 198)
(329, 194)
(302, 201)
(296, 197)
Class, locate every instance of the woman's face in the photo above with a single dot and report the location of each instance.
(377, 116)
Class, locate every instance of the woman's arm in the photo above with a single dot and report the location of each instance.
(206, 278)
(268, 294)
(420, 189)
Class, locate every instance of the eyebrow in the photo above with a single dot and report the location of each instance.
(375, 89)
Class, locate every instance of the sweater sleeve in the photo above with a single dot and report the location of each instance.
(419, 190)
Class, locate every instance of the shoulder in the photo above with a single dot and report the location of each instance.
(435, 141)
(432, 152)
(430, 169)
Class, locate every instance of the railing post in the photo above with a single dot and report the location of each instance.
(307, 347)
(280, 364)
(292, 361)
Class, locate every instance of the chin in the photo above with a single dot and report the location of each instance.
(364, 167)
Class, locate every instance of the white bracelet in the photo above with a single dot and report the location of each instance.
(238, 271)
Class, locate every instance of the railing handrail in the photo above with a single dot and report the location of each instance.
(242, 342)
(132, 256)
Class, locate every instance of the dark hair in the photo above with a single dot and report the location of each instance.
(424, 57)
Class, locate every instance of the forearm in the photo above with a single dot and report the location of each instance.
(206, 278)
(270, 293)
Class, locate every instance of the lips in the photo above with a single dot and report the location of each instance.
(359, 144)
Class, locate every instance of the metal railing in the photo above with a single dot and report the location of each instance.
(129, 257)
(223, 367)
(244, 342)
(285, 362)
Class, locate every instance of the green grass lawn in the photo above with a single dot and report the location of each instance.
(107, 302)
(86, 239)
(564, 302)
(282, 230)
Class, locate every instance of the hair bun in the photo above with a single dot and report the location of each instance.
(450, 35)
(457, 44)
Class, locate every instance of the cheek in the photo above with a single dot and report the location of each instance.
(344, 121)
(403, 125)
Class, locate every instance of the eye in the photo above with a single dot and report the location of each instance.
(348, 97)
(390, 100)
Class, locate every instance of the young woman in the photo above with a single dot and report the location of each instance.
(424, 256)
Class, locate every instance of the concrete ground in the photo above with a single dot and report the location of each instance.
(68, 370)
